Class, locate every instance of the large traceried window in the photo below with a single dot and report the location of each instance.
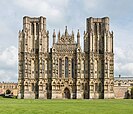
(95, 28)
(60, 67)
(73, 68)
(101, 45)
(100, 28)
(37, 28)
(66, 67)
(32, 28)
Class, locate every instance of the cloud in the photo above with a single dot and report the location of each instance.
(8, 76)
(60, 13)
(123, 62)
(9, 56)
(7, 34)
(124, 69)
(11, 23)
(52, 10)
(8, 64)
(112, 8)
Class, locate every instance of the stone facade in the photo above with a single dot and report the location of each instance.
(66, 71)
(12, 87)
(99, 57)
(33, 58)
(122, 87)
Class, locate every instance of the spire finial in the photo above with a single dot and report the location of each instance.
(72, 33)
(84, 32)
(54, 35)
(78, 34)
(66, 33)
(78, 38)
(59, 34)
(66, 27)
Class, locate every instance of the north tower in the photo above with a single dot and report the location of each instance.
(33, 58)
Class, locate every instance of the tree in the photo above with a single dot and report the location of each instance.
(132, 93)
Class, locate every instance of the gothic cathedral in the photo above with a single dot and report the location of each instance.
(65, 72)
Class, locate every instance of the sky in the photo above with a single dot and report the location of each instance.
(61, 13)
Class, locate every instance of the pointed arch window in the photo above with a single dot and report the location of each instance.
(32, 86)
(95, 28)
(101, 45)
(66, 66)
(32, 28)
(100, 27)
(73, 68)
(60, 67)
(37, 28)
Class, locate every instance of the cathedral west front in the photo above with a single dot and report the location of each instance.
(66, 71)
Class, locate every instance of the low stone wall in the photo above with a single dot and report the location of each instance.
(120, 92)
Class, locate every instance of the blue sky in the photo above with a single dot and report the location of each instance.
(60, 13)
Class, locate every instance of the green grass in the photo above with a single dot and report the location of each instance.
(23, 106)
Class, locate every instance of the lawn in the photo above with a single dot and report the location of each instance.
(23, 106)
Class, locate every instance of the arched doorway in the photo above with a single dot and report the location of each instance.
(66, 93)
(8, 91)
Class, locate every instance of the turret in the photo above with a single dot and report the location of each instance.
(72, 33)
(59, 34)
(106, 21)
(66, 32)
(26, 22)
(78, 38)
(54, 37)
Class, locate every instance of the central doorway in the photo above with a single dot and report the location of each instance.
(67, 93)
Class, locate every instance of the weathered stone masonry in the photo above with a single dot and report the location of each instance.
(66, 71)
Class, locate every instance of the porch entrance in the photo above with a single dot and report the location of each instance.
(67, 93)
